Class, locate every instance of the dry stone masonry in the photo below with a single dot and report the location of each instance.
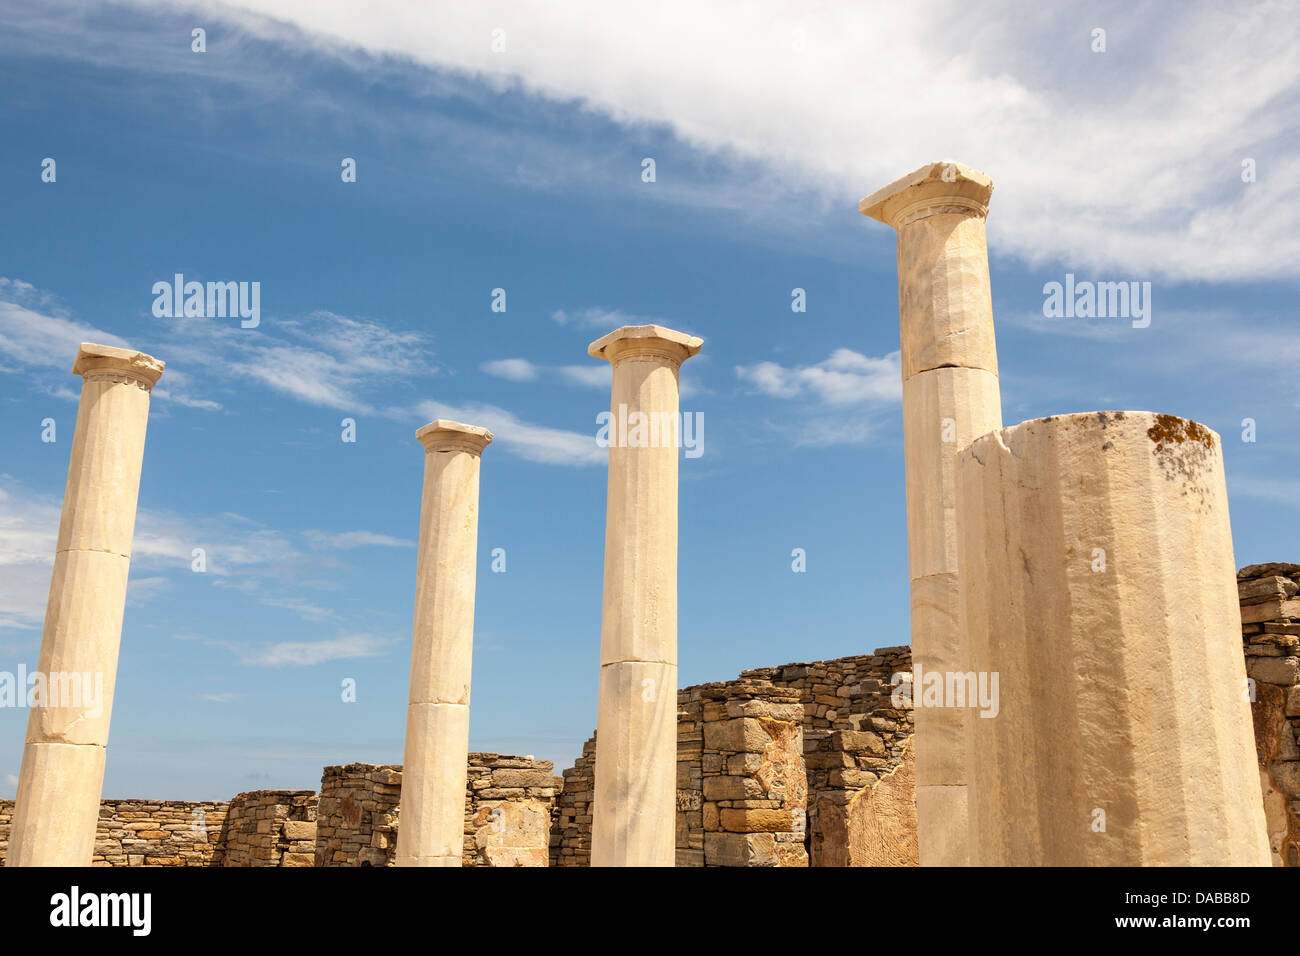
(507, 814)
(1270, 628)
(797, 765)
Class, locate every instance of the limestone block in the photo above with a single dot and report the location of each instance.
(445, 574)
(639, 612)
(66, 778)
(433, 788)
(636, 756)
(78, 658)
(945, 304)
(1121, 682)
(944, 410)
(944, 841)
(99, 502)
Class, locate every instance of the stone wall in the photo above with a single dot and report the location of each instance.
(837, 782)
(510, 808)
(270, 828)
(260, 828)
(571, 837)
(1270, 626)
(861, 790)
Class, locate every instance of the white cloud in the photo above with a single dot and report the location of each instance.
(604, 320)
(538, 443)
(301, 607)
(588, 376)
(44, 339)
(511, 369)
(1124, 160)
(354, 539)
(222, 698)
(309, 653)
(141, 590)
(845, 378)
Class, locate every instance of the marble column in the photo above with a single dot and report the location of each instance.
(62, 773)
(1099, 586)
(950, 397)
(634, 814)
(434, 767)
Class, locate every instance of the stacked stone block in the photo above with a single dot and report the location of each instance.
(509, 810)
(754, 785)
(356, 823)
(1270, 627)
(271, 828)
(571, 838)
(510, 805)
(854, 737)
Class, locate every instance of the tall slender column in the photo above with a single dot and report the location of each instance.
(432, 830)
(634, 815)
(1099, 587)
(950, 397)
(62, 773)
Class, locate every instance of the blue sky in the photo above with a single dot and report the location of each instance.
(521, 169)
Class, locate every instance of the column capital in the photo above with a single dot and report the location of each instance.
(122, 365)
(442, 434)
(645, 340)
(935, 188)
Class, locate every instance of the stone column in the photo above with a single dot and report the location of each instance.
(434, 769)
(634, 813)
(1098, 584)
(62, 772)
(950, 398)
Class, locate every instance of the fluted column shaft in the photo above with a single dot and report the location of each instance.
(434, 767)
(634, 813)
(1099, 585)
(62, 775)
(950, 397)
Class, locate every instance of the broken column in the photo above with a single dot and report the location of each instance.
(432, 830)
(634, 813)
(62, 773)
(950, 397)
(1098, 584)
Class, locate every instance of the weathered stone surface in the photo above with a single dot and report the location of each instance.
(633, 808)
(1271, 588)
(437, 717)
(62, 772)
(1076, 642)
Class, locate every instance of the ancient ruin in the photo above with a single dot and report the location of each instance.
(1097, 584)
(633, 807)
(1073, 692)
(950, 398)
(442, 645)
(62, 772)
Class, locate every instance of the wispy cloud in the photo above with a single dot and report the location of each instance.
(1124, 159)
(343, 541)
(511, 369)
(845, 378)
(310, 653)
(222, 698)
(537, 443)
